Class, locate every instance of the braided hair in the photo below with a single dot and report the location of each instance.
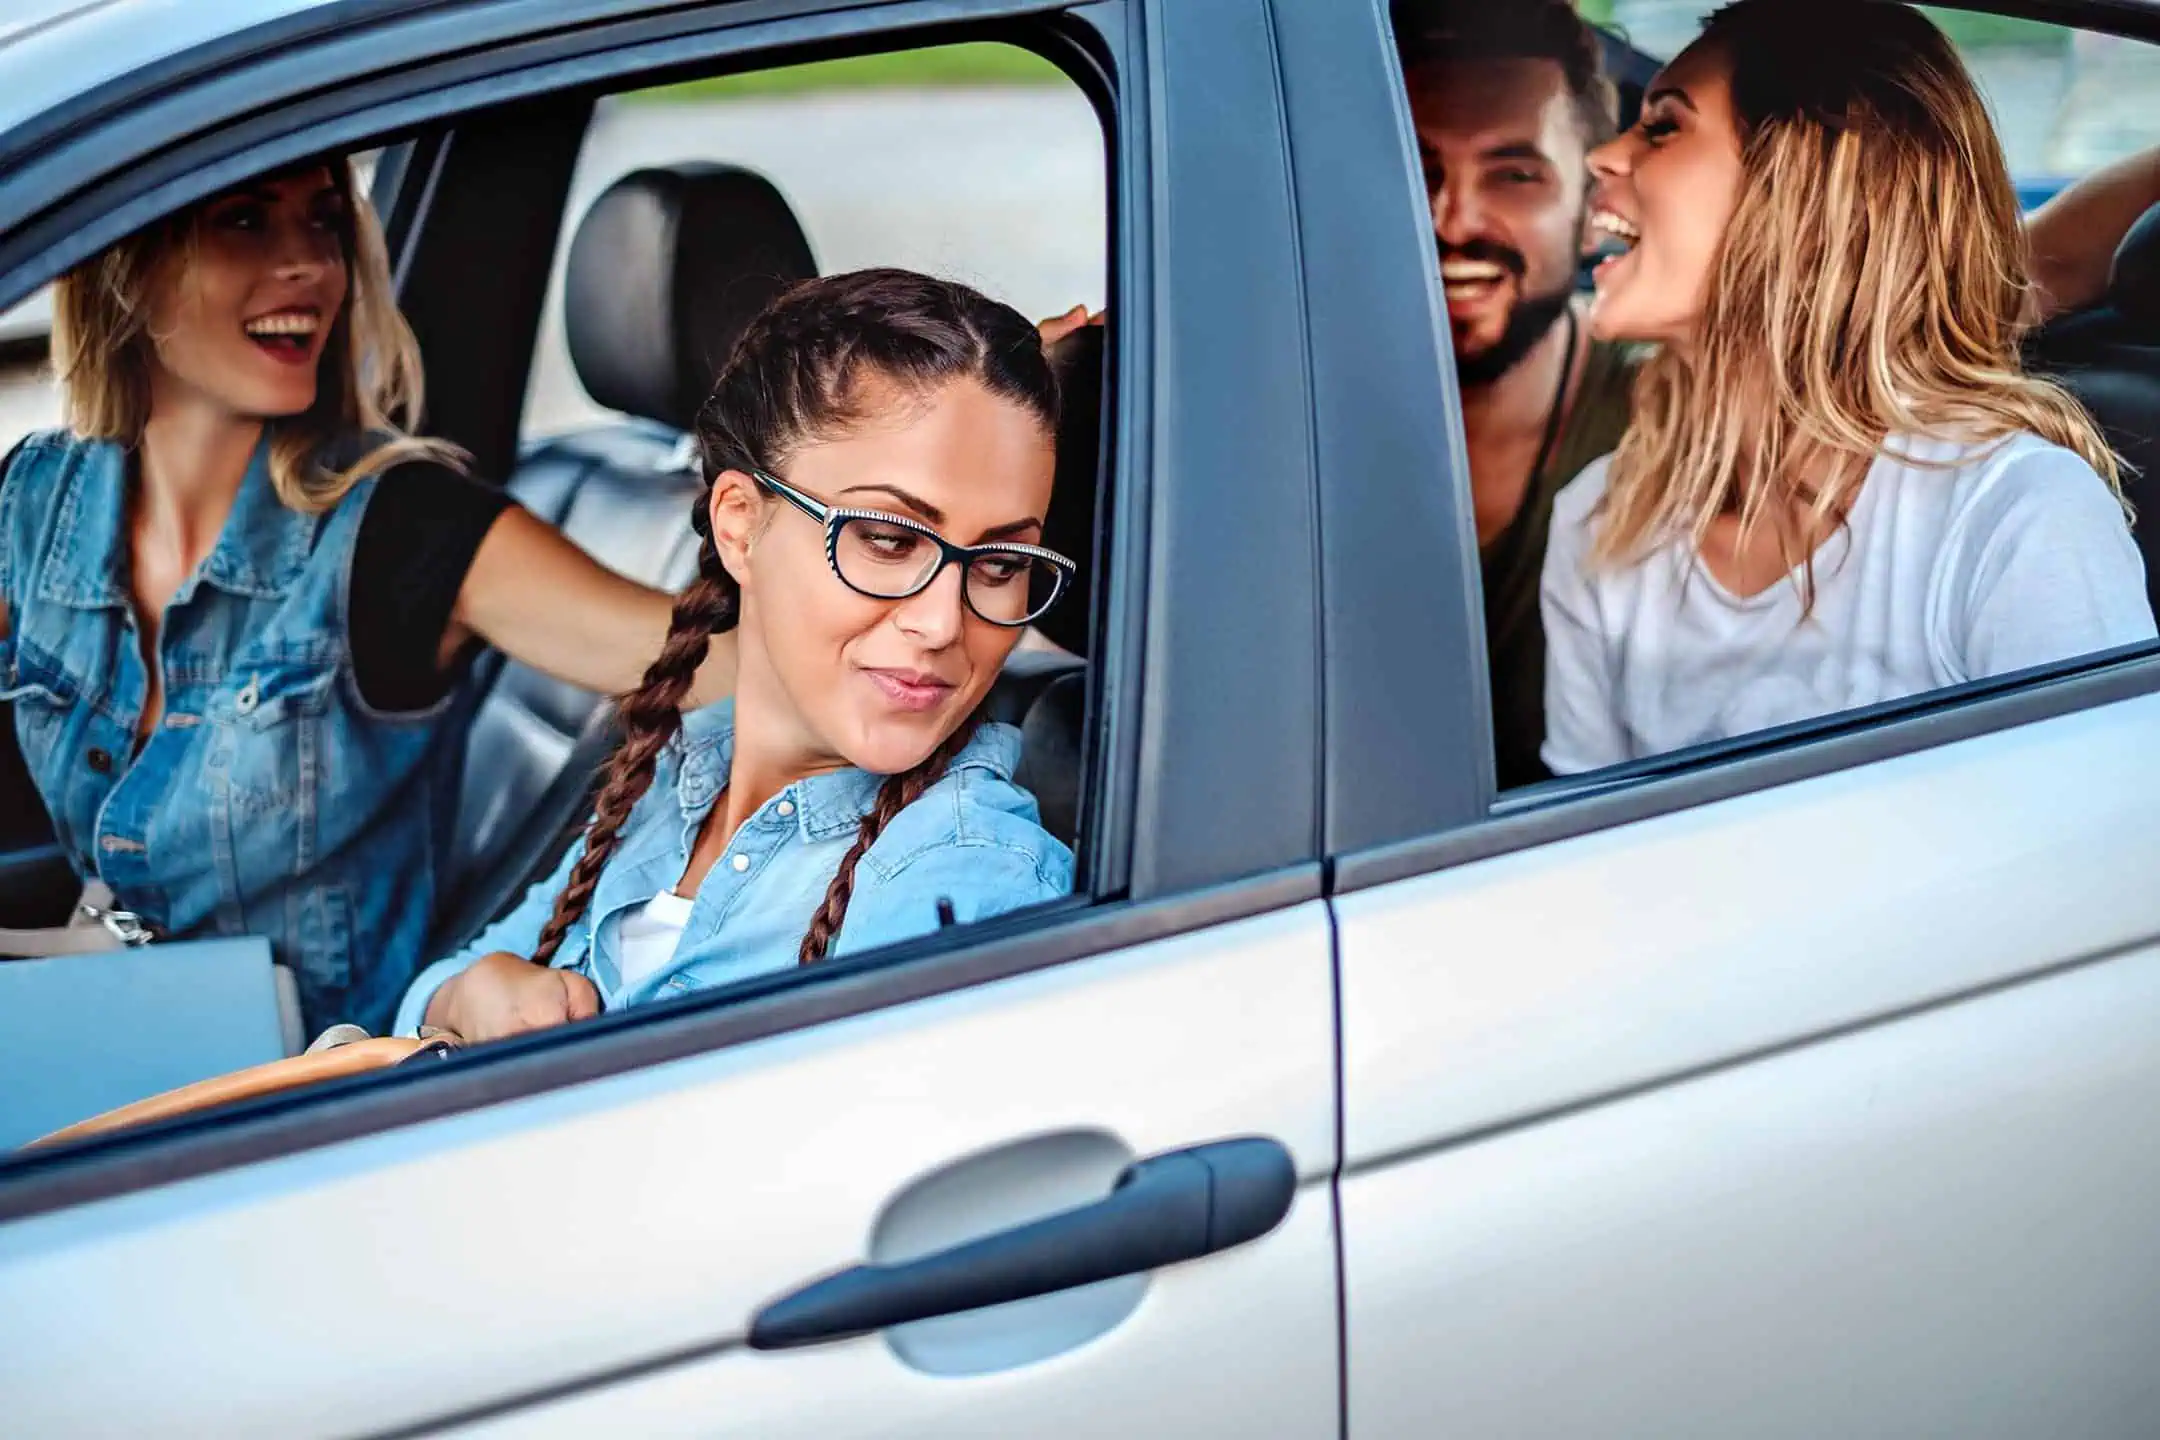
(796, 376)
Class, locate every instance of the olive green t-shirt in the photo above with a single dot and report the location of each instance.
(1513, 562)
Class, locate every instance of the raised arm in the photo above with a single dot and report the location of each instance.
(536, 597)
(2073, 236)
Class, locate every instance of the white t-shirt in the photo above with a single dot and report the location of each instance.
(2016, 555)
(650, 933)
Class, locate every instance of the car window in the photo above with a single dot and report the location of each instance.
(981, 162)
(2064, 100)
(979, 166)
(1650, 599)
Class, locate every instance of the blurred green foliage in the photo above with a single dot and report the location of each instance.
(1972, 30)
(1968, 28)
(937, 66)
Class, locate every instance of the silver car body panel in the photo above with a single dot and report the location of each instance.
(588, 1233)
(1792, 1114)
(53, 52)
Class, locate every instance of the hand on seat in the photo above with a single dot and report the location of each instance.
(504, 994)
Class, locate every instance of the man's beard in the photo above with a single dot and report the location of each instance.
(1527, 324)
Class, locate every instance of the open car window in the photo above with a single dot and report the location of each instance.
(982, 163)
(1578, 668)
(2065, 101)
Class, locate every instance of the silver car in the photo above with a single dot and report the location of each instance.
(1785, 1087)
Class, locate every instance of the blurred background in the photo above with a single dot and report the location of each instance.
(979, 162)
(2064, 102)
(984, 163)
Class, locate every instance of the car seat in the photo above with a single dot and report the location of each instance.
(1053, 717)
(665, 270)
(2109, 357)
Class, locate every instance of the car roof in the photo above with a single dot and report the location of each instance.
(54, 50)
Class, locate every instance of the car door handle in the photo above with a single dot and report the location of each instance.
(1163, 1209)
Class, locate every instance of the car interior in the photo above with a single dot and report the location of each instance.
(2108, 355)
(665, 270)
(662, 273)
(647, 325)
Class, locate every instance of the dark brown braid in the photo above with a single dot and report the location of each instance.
(895, 795)
(650, 715)
(794, 376)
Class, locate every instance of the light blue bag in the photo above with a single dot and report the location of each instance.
(81, 1034)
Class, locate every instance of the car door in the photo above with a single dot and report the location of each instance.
(1796, 1086)
(659, 1223)
(602, 1258)
(1813, 1110)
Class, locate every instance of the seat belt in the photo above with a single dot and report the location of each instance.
(96, 924)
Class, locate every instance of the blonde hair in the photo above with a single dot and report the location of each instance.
(1871, 281)
(369, 387)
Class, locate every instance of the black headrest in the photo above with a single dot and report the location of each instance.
(1069, 528)
(2134, 280)
(667, 268)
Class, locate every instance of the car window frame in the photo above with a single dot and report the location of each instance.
(479, 343)
(1376, 846)
(1179, 862)
(1408, 714)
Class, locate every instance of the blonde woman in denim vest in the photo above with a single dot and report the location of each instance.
(878, 457)
(233, 608)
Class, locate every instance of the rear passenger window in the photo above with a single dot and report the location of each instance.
(1790, 400)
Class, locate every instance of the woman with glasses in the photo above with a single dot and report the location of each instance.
(879, 457)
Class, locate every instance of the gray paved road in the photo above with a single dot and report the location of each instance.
(27, 402)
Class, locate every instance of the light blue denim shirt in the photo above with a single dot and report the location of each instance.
(972, 838)
(270, 799)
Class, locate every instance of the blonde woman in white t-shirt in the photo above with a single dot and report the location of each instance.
(1839, 487)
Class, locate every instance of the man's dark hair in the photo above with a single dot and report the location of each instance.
(1453, 32)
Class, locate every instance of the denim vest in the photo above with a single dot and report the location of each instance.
(270, 800)
(973, 839)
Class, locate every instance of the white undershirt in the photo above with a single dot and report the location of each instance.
(1991, 559)
(650, 933)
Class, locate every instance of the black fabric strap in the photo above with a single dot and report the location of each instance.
(1558, 410)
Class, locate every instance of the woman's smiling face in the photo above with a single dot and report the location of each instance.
(1667, 189)
(843, 677)
(244, 309)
